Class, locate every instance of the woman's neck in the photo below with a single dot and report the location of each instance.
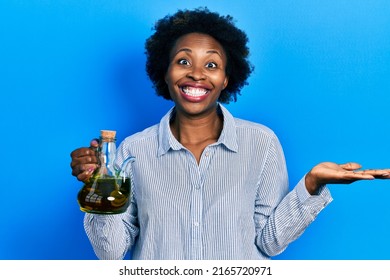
(196, 133)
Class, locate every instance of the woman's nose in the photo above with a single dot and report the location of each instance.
(196, 73)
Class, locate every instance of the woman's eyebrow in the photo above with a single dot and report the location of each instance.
(183, 50)
(190, 51)
(215, 51)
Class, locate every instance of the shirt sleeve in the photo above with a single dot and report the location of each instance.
(111, 236)
(281, 216)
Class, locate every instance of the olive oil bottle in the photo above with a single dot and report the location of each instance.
(108, 191)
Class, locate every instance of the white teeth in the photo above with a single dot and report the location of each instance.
(194, 91)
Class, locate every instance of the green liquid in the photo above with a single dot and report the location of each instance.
(105, 196)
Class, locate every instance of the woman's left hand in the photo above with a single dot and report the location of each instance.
(332, 173)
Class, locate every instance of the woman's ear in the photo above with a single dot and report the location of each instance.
(225, 82)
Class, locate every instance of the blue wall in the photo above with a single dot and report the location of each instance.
(69, 68)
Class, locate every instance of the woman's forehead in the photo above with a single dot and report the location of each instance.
(194, 40)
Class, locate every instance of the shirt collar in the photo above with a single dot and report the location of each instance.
(167, 141)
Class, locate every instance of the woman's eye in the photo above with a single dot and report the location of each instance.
(183, 62)
(211, 65)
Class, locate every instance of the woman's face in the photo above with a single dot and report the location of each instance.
(196, 73)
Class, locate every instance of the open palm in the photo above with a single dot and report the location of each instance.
(332, 173)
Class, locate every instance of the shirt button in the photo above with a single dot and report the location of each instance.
(196, 224)
(207, 154)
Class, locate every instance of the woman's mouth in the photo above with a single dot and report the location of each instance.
(194, 91)
(194, 94)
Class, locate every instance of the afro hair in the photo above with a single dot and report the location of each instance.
(201, 20)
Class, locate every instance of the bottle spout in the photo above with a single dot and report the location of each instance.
(125, 170)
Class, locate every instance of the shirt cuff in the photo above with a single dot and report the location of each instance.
(323, 197)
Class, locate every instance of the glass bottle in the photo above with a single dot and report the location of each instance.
(108, 191)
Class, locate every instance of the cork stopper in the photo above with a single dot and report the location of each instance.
(108, 134)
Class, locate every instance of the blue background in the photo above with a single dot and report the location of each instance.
(69, 68)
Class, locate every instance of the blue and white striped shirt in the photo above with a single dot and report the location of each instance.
(234, 204)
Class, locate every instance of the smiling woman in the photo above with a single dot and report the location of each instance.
(231, 41)
(196, 73)
(321, 82)
(207, 185)
(196, 76)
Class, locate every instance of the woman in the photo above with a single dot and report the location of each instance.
(207, 185)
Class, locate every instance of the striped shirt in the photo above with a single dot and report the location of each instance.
(234, 204)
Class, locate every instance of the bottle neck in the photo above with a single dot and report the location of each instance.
(106, 152)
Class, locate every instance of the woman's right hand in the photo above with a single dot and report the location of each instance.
(84, 161)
